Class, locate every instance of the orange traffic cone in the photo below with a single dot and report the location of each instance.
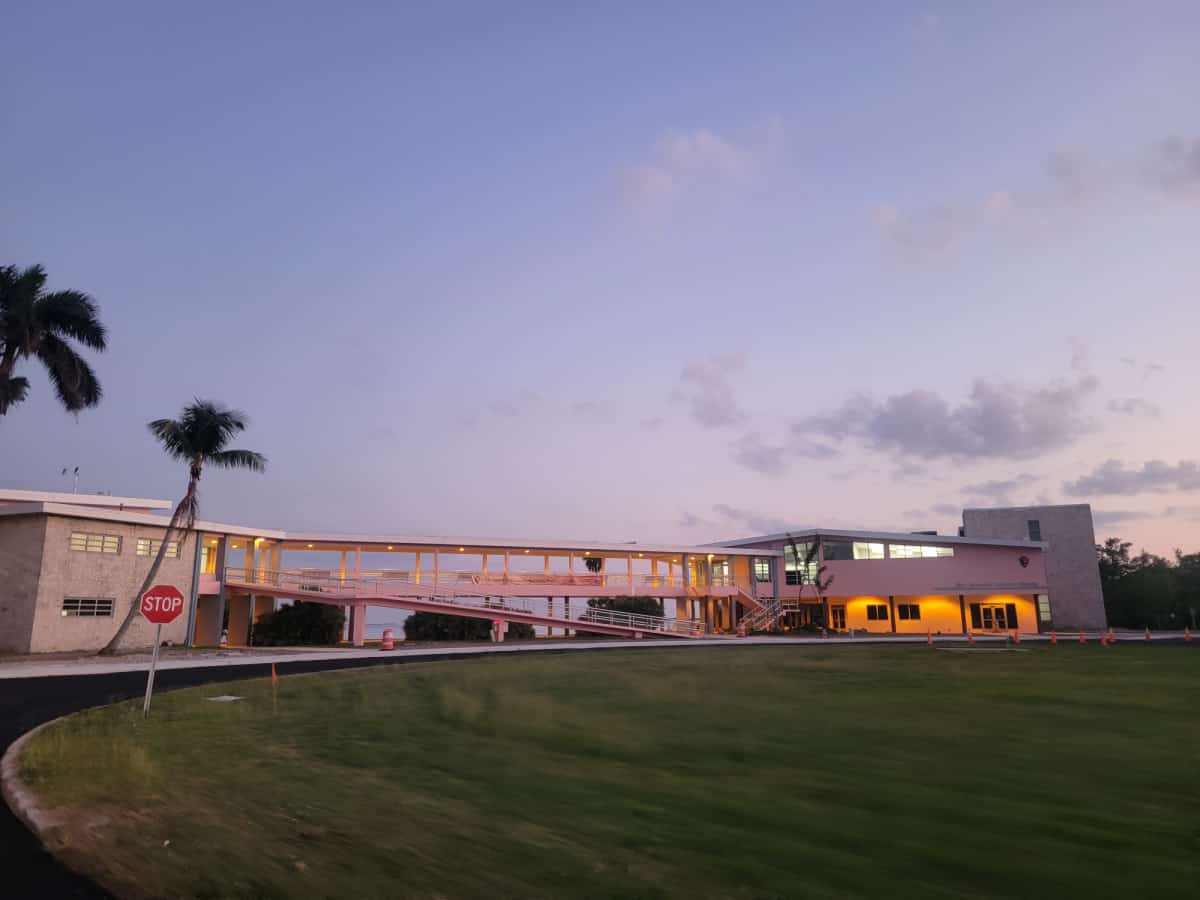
(1016, 636)
(1112, 639)
(970, 638)
(929, 638)
(1082, 639)
(1053, 637)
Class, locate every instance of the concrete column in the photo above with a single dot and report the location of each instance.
(685, 570)
(892, 611)
(417, 568)
(708, 611)
(358, 562)
(654, 573)
(603, 572)
(276, 557)
(358, 625)
(483, 569)
(681, 608)
(505, 566)
(194, 590)
(546, 565)
(263, 552)
(343, 576)
(629, 570)
(249, 564)
(437, 561)
(962, 612)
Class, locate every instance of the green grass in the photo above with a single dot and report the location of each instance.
(878, 771)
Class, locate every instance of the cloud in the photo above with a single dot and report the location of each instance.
(1187, 513)
(689, 161)
(925, 232)
(937, 509)
(1155, 476)
(998, 420)
(1000, 490)
(706, 386)
(1172, 166)
(1106, 518)
(1137, 407)
(584, 407)
(765, 458)
(652, 423)
(691, 520)
(1148, 368)
(752, 521)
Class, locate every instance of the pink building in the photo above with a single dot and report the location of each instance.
(71, 564)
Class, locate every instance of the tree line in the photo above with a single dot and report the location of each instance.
(1148, 591)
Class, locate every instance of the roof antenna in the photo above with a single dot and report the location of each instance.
(75, 486)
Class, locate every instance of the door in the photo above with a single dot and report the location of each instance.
(837, 618)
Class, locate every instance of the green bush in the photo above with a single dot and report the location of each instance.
(301, 624)
(427, 626)
(642, 606)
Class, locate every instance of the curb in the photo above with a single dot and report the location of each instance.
(20, 797)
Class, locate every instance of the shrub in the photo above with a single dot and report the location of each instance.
(312, 624)
(427, 626)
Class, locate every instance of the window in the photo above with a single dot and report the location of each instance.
(794, 569)
(908, 611)
(877, 612)
(148, 547)
(838, 550)
(87, 606)
(918, 551)
(1043, 604)
(762, 570)
(89, 542)
(1035, 529)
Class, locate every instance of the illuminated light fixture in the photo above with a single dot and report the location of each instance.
(389, 546)
(257, 541)
(587, 552)
(641, 554)
(235, 546)
(526, 551)
(213, 541)
(461, 549)
(310, 546)
(710, 556)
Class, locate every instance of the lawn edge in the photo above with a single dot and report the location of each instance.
(21, 798)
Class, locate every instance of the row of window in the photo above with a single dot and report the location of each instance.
(800, 563)
(87, 606)
(92, 542)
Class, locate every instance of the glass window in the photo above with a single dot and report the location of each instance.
(87, 606)
(1043, 604)
(908, 611)
(877, 612)
(838, 550)
(918, 551)
(1035, 530)
(864, 550)
(794, 569)
(762, 570)
(89, 542)
(149, 547)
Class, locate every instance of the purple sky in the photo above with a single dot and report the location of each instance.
(681, 274)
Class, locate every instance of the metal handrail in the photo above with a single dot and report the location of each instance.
(613, 580)
(311, 581)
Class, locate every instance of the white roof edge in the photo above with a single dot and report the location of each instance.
(131, 518)
(894, 537)
(631, 547)
(13, 495)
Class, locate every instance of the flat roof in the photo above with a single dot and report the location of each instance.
(12, 495)
(621, 548)
(129, 517)
(891, 537)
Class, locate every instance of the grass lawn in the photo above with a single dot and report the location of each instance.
(854, 771)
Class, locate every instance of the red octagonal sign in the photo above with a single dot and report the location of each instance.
(162, 604)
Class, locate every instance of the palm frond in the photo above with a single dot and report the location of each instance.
(72, 314)
(210, 426)
(238, 459)
(74, 381)
(173, 437)
(12, 392)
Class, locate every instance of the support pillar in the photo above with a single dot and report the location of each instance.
(681, 608)
(892, 611)
(343, 575)
(437, 564)
(962, 612)
(550, 612)
(629, 571)
(358, 562)
(417, 568)
(506, 567)
(358, 625)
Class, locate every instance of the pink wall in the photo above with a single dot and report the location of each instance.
(972, 570)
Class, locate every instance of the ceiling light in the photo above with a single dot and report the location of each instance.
(461, 549)
(389, 546)
(310, 546)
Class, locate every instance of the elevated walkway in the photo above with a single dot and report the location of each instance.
(472, 600)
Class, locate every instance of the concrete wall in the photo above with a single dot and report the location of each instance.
(20, 564)
(73, 573)
(1072, 573)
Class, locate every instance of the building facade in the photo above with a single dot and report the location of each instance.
(70, 566)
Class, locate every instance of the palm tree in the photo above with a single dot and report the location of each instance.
(197, 437)
(34, 323)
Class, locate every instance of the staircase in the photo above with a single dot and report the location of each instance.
(765, 618)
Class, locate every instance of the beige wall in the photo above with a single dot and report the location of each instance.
(21, 538)
(72, 573)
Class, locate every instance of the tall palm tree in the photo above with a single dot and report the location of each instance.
(34, 323)
(197, 437)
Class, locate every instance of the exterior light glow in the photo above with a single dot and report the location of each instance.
(526, 551)
(257, 541)
(389, 546)
(235, 546)
(461, 549)
(310, 546)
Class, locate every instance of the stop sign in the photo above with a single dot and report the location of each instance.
(162, 604)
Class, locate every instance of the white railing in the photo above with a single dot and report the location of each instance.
(312, 581)
(765, 617)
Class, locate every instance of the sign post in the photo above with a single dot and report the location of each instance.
(161, 605)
